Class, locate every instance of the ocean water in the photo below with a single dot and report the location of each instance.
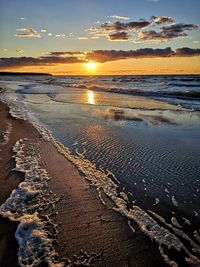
(140, 135)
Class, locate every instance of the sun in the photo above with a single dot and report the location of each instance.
(91, 66)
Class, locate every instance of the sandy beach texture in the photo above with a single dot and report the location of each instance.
(84, 225)
(11, 130)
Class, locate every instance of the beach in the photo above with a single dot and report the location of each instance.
(9, 179)
(100, 133)
(83, 221)
(77, 203)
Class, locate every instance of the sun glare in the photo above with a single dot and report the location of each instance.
(91, 66)
(90, 97)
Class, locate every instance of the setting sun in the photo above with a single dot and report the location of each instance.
(100, 117)
(91, 66)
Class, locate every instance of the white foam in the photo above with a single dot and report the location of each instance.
(197, 236)
(34, 244)
(107, 183)
(186, 221)
(175, 222)
(157, 200)
(133, 229)
(174, 201)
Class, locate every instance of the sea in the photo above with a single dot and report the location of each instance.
(142, 133)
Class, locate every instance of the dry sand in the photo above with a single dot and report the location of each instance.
(84, 223)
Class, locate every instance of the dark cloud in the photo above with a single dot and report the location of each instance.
(179, 28)
(154, 36)
(162, 19)
(98, 56)
(112, 55)
(138, 25)
(186, 51)
(41, 61)
(122, 26)
(109, 29)
(64, 53)
(167, 33)
(119, 36)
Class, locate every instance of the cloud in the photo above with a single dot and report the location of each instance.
(119, 36)
(167, 33)
(113, 55)
(43, 30)
(121, 26)
(196, 42)
(82, 38)
(41, 61)
(155, 36)
(119, 17)
(4, 49)
(19, 51)
(186, 51)
(72, 57)
(162, 19)
(135, 30)
(30, 32)
(60, 35)
(63, 53)
(108, 29)
(179, 28)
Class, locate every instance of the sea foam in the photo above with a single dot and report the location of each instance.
(23, 205)
(104, 182)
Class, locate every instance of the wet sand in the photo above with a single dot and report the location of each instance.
(9, 180)
(84, 224)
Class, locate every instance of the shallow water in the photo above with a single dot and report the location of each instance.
(144, 130)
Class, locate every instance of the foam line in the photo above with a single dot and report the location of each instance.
(101, 181)
(23, 205)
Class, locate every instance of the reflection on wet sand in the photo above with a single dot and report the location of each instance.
(90, 97)
(78, 96)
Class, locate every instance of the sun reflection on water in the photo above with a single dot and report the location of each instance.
(90, 97)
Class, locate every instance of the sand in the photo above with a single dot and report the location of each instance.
(9, 180)
(84, 223)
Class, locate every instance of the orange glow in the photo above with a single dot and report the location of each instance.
(181, 65)
(90, 97)
(91, 66)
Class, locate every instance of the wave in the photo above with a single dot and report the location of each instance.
(183, 85)
(31, 229)
(170, 89)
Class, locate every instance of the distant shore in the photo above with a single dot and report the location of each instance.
(23, 73)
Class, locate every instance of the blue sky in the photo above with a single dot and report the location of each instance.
(65, 16)
(35, 28)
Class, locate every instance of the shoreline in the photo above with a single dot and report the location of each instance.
(101, 231)
(10, 180)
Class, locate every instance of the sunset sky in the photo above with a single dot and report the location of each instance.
(122, 36)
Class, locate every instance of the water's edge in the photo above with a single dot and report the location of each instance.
(35, 187)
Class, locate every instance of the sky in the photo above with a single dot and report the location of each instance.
(116, 36)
